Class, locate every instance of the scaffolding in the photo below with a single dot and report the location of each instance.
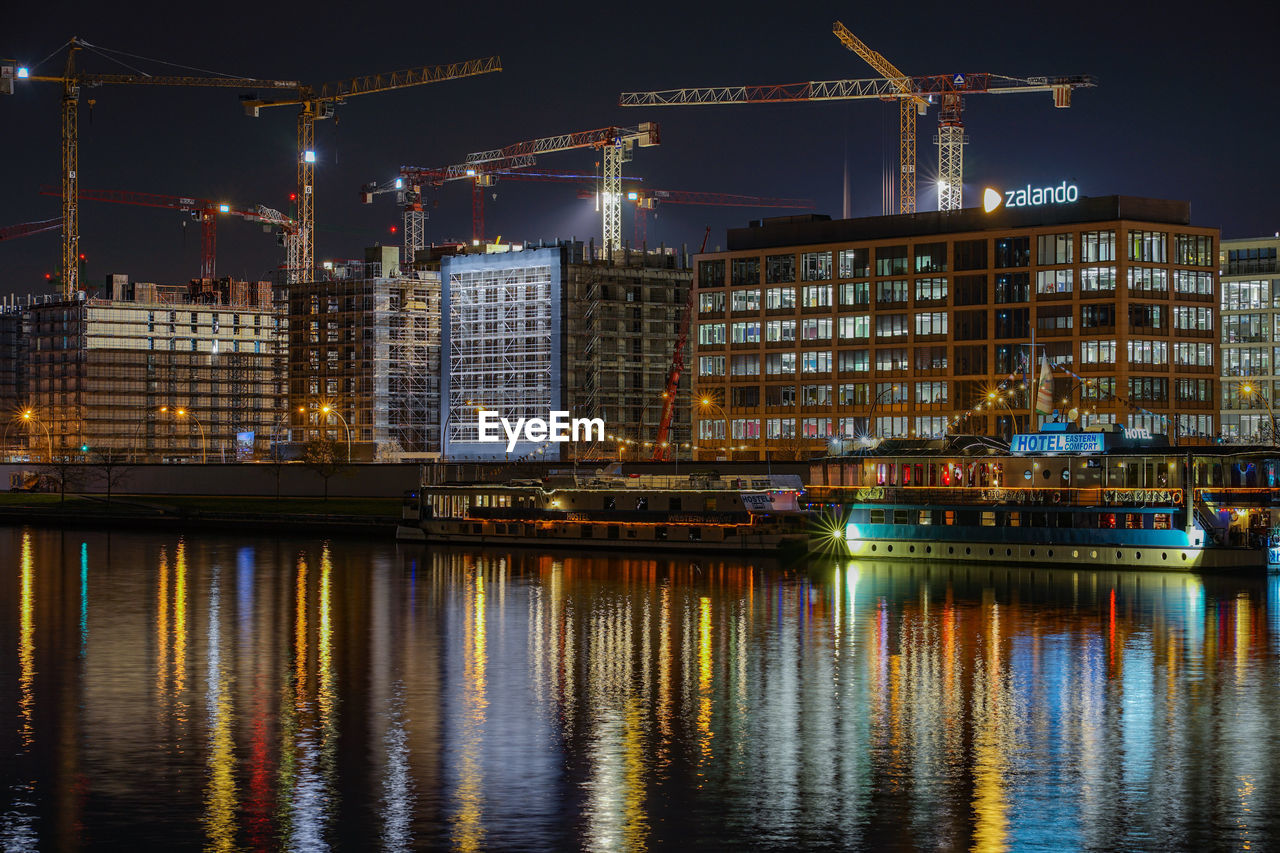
(504, 339)
(368, 346)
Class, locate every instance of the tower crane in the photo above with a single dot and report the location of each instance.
(484, 167)
(909, 105)
(72, 80)
(914, 94)
(203, 209)
(411, 181)
(319, 102)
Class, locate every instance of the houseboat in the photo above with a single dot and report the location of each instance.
(694, 512)
(1112, 497)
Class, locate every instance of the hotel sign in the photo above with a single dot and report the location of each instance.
(1029, 196)
(1058, 442)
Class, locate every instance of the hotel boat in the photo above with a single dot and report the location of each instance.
(1119, 497)
(695, 512)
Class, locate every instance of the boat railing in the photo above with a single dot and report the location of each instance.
(1031, 496)
(1239, 496)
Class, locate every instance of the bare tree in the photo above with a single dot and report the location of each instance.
(321, 456)
(110, 464)
(67, 474)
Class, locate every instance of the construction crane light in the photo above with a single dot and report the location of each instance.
(23, 72)
(399, 183)
(632, 196)
(309, 156)
(471, 173)
(224, 208)
(328, 265)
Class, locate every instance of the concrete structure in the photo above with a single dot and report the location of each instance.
(151, 380)
(811, 330)
(365, 342)
(1250, 336)
(548, 328)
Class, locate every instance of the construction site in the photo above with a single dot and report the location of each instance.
(389, 358)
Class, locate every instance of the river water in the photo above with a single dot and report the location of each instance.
(237, 692)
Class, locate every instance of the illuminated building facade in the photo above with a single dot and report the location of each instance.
(810, 331)
(1250, 362)
(151, 380)
(546, 328)
(364, 341)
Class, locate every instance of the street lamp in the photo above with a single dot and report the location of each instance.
(708, 403)
(326, 410)
(29, 416)
(204, 444)
(871, 415)
(1248, 390)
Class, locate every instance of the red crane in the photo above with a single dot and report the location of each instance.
(203, 209)
(24, 229)
(662, 445)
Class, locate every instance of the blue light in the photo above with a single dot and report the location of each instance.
(309, 156)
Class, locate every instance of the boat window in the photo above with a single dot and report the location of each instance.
(988, 518)
(901, 516)
(660, 533)
(877, 516)
(949, 517)
(926, 516)
(709, 505)
(673, 504)
(1015, 519)
(610, 503)
(613, 531)
(642, 503)
(695, 534)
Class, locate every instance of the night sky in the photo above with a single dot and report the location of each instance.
(1182, 112)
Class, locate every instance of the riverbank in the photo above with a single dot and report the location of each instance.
(344, 516)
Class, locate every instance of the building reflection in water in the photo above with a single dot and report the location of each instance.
(310, 695)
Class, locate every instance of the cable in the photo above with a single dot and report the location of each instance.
(166, 62)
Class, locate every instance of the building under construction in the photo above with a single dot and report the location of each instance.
(534, 330)
(151, 375)
(364, 358)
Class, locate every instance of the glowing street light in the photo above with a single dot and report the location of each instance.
(204, 443)
(29, 416)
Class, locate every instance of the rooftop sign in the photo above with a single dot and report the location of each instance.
(1060, 442)
(1029, 196)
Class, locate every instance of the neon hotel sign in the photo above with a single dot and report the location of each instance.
(1028, 196)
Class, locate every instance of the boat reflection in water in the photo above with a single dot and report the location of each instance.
(225, 692)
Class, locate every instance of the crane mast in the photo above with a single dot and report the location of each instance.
(72, 80)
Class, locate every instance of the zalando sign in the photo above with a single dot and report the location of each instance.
(1028, 196)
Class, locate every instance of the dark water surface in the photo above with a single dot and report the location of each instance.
(240, 692)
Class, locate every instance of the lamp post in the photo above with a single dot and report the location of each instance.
(329, 410)
(707, 403)
(871, 415)
(29, 416)
(204, 444)
(1248, 390)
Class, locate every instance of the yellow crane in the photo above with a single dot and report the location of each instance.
(315, 102)
(72, 80)
(910, 105)
(318, 102)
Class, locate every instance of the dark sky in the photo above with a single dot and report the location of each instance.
(1182, 112)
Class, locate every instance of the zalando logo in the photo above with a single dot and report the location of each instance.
(1064, 193)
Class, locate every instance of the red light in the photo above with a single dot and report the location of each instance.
(48, 276)
(82, 257)
(293, 196)
(393, 229)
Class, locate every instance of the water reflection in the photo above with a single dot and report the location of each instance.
(312, 696)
